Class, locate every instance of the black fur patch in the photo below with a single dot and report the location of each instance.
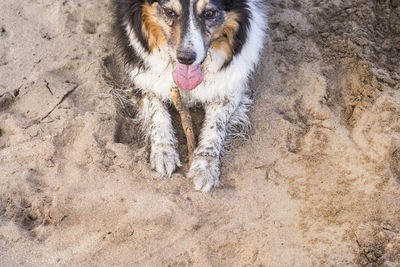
(131, 11)
(241, 8)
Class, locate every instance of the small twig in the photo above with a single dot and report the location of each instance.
(186, 121)
(48, 87)
(59, 102)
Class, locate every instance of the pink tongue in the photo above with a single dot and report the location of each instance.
(187, 77)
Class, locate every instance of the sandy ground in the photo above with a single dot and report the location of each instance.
(317, 185)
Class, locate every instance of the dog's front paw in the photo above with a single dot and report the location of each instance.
(164, 159)
(204, 172)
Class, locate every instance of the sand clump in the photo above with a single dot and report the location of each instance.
(317, 184)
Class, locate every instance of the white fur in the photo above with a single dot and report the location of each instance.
(156, 123)
(193, 39)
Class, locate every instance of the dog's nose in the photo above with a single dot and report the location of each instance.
(186, 57)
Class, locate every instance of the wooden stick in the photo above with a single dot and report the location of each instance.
(186, 120)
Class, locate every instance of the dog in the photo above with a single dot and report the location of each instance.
(208, 48)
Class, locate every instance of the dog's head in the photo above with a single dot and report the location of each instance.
(189, 29)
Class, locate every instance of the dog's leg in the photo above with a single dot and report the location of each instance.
(205, 168)
(156, 122)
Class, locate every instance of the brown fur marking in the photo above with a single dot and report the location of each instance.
(223, 36)
(151, 30)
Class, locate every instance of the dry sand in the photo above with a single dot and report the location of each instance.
(318, 184)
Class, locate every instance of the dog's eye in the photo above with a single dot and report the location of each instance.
(209, 14)
(169, 13)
